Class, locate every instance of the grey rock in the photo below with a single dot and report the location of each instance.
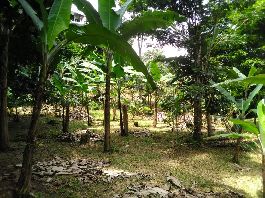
(174, 181)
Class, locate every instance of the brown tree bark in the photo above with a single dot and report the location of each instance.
(122, 132)
(197, 135)
(209, 123)
(4, 136)
(66, 118)
(235, 158)
(125, 120)
(23, 185)
(114, 111)
(88, 115)
(108, 55)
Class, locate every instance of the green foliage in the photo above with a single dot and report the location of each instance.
(244, 103)
(261, 117)
(58, 19)
(247, 126)
(53, 23)
(155, 71)
(146, 110)
(231, 136)
(248, 101)
(147, 22)
(258, 79)
(109, 17)
(100, 36)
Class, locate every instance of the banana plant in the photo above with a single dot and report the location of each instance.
(50, 23)
(64, 86)
(106, 28)
(86, 77)
(259, 132)
(242, 106)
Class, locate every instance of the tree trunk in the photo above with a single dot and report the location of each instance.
(88, 116)
(16, 118)
(197, 136)
(155, 111)
(150, 101)
(209, 123)
(66, 119)
(125, 120)
(108, 55)
(114, 111)
(23, 185)
(63, 115)
(120, 109)
(4, 136)
(235, 158)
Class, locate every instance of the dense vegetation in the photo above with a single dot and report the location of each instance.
(65, 88)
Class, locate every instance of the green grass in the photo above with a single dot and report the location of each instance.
(159, 155)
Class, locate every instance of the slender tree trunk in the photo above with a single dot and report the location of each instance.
(150, 101)
(155, 111)
(23, 185)
(66, 118)
(17, 115)
(209, 123)
(4, 136)
(114, 111)
(107, 102)
(197, 136)
(235, 158)
(125, 120)
(120, 109)
(88, 115)
(237, 151)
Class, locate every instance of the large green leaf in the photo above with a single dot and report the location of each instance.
(227, 95)
(247, 126)
(59, 84)
(258, 79)
(261, 117)
(252, 71)
(109, 17)
(149, 21)
(99, 36)
(33, 15)
(89, 11)
(118, 71)
(247, 103)
(155, 71)
(58, 19)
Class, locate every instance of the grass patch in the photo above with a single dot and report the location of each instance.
(159, 155)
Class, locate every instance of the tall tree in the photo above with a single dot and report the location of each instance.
(49, 25)
(5, 30)
(9, 18)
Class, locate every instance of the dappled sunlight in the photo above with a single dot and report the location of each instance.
(249, 184)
